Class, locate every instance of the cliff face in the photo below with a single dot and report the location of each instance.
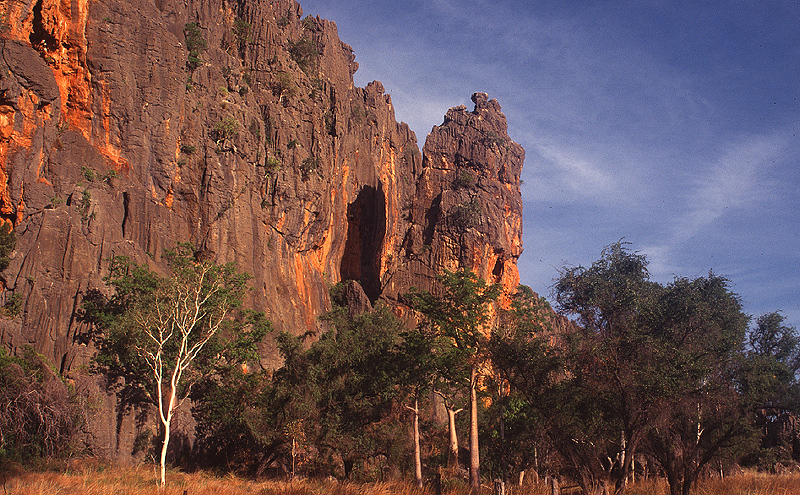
(129, 126)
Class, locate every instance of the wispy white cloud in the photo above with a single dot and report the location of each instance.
(575, 174)
(741, 177)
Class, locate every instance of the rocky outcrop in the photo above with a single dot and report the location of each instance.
(129, 126)
(466, 210)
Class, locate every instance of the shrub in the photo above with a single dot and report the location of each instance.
(241, 29)
(88, 174)
(12, 306)
(226, 128)
(8, 241)
(272, 164)
(309, 23)
(466, 215)
(85, 205)
(283, 85)
(195, 43)
(40, 414)
(305, 53)
(309, 165)
(464, 179)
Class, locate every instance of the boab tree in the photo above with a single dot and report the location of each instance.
(461, 313)
(157, 333)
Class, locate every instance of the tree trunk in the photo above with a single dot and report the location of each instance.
(164, 455)
(417, 450)
(166, 420)
(474, 454)
(452, 461)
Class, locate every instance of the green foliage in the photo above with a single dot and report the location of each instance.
(226, 129)
(272, 165)
(768, 377)
(464, 180)
(283, 86)
(305, 53)
(495, 140)
(461, 311)
(85, 205)
(460, 314)
(309, 23)
(243, 32)
(224, 407)
(188, 149)
(158, 336)
(8, 241)
(466, 215)
(341, 390)
(112, 174)
(195, 43)
(645, 368)
(88, 174)
(12, 306)
(310, 165)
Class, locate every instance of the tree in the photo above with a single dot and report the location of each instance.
(156, 331)
(417, 367)
(460, 313)
(768, 376)
(338, 393)
(646, 368)
(519, 356)
(698, 331)
(609, 386)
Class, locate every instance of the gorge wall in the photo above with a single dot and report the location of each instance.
(127, 126)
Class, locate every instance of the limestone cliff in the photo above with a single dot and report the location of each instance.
(127, 126)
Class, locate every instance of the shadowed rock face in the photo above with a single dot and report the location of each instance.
(122, 133)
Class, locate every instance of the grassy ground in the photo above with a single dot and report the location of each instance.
(101, 479)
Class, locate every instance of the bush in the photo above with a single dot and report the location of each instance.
(466, 215)
(305, 53)
(309, 165)
(464, 180)
(12, 306)
(283, 85)
(309, 23)
(195, 43)
(8, 241)
(40, 414)
(88, 174)
(226, 128)
(272, 164)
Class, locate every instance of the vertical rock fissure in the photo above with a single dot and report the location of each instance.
(366, 229)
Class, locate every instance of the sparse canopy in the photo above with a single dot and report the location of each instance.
(156, 332)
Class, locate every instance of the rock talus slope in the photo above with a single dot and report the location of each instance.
(129, 126)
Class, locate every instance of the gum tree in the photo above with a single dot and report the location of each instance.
(156, 331)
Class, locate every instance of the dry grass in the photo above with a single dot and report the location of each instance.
(751, 483)
(101, 479)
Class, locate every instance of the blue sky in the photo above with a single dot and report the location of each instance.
(672, 124)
